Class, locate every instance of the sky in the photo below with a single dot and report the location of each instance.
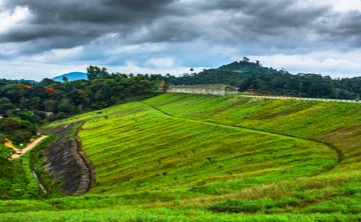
(42, 38)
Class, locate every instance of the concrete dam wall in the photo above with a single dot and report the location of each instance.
(66, 162)
(213, 89)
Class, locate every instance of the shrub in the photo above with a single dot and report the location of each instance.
(19, 131)
(9, 125)
(20, 136)
(2, 138)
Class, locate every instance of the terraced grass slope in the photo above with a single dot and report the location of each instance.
(182, 157)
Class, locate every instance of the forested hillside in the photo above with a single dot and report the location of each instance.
(254, 77)
(47, 100)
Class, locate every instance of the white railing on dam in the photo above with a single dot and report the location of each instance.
(301, 98)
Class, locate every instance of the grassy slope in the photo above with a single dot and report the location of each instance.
(160, 152)
(164, 154)
(16, 180)
(326, 121)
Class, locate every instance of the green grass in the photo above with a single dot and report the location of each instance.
(15, 177)
(179, 157)
(170, 215)
(337, 123)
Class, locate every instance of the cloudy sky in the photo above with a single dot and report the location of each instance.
(42, 38)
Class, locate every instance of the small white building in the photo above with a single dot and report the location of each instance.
(212, 89)
(49, 114)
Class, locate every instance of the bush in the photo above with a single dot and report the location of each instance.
(19, 131)
(2, 138)
(8, 125)
(4, 154)
(20, 136)
(28, 126)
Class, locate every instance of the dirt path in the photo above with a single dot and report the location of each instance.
(10, 145)
(29, 147)
(332, 147)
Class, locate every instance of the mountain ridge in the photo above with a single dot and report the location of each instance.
(72, 76)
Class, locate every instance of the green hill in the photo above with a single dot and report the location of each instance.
(179, 157)
(254, 77)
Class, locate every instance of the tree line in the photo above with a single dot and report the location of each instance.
(47, 100)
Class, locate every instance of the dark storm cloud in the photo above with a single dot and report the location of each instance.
(342, 28)
(262, 24)
(278, 23)
(91, 11)
(68, 22)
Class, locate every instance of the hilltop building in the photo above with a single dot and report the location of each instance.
(213, 89)
(162, 86)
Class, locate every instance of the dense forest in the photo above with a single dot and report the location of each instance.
(49, 100)
(29, 102)
(253, 77)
